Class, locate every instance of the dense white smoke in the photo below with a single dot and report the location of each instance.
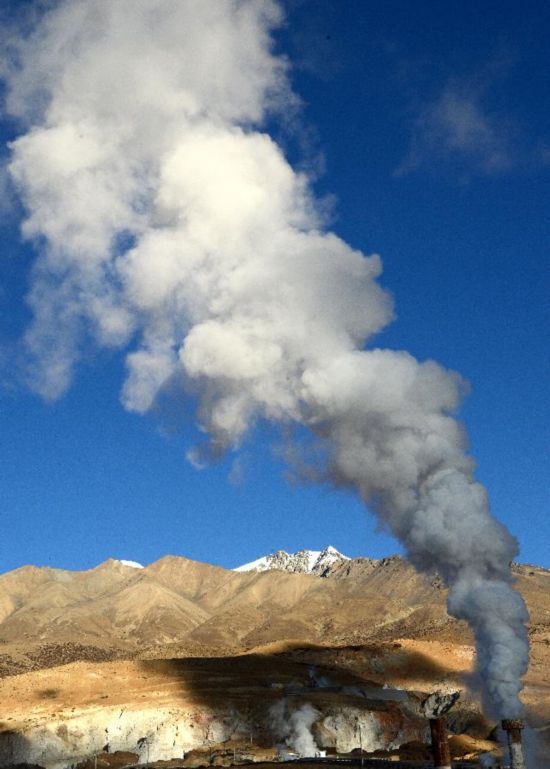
(166, 219)
(295, 727)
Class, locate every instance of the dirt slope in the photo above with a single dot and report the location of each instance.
(179, 601)
(115, 629)
(173, 599)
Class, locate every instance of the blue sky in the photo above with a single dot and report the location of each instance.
(429, 127)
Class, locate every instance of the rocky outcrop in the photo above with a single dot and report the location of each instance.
(321, 563)
(158, 734)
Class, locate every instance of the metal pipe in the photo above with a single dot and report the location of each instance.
(440, 744)
(513, 728)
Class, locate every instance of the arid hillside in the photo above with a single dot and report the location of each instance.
(196, 608)
(182, 641)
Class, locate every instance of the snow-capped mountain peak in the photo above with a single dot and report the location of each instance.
(133, 564)
(317, 562)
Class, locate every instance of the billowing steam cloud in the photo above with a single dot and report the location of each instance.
(295, 727)
(166, 219)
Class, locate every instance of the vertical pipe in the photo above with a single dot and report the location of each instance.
(513, 731)
(440, 744)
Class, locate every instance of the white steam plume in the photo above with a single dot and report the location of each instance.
(165, 218)
(295, 728)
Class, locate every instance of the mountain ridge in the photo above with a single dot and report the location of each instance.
(318, 562)
(176, 600)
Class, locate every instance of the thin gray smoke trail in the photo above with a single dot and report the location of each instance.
(167, 220)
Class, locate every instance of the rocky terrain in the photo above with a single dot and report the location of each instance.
(182, 656)
(323, 563)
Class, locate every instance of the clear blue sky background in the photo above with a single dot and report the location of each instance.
(456, 202)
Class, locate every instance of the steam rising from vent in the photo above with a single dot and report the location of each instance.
(167, 219)
(295, 728)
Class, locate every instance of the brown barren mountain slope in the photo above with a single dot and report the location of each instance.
(169, 639)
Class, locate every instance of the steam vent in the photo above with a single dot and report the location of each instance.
(434, 707)
(440, 743)
(513, 731)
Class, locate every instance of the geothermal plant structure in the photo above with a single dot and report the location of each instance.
(434, 708)
(513, 731)
(440, 744)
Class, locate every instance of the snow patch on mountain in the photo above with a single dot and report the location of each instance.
(318, 562)
(133, 564)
